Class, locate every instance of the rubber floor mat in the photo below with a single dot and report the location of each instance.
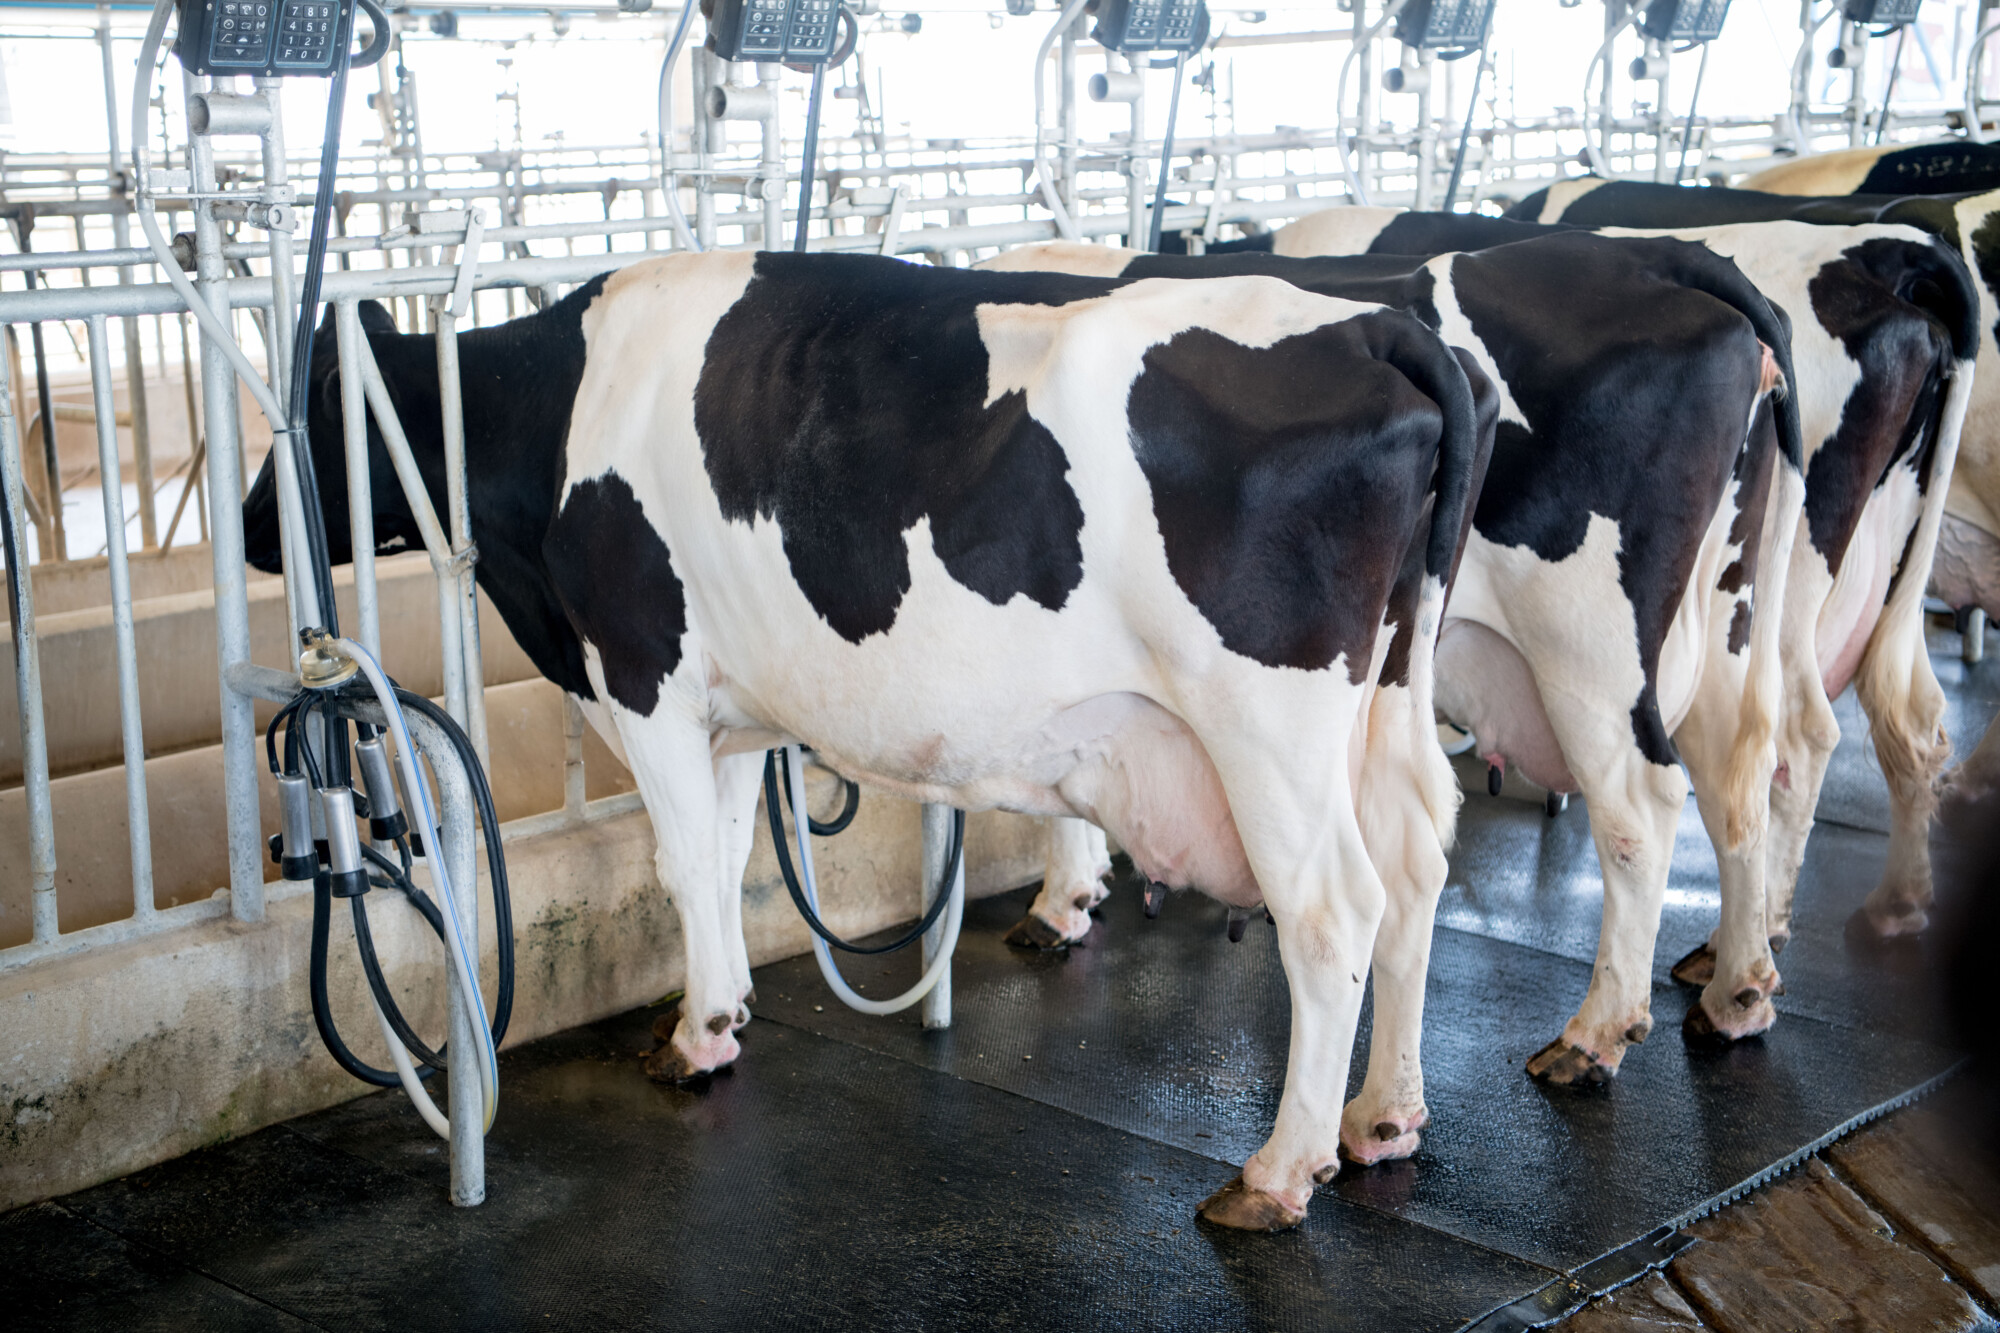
(821, 1186)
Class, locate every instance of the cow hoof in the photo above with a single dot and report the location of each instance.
(1031, 932)
(1564, 1065)
(1389, 1139)
(1239, 1206)
(1697, 968)
(1743, 1021)
(667, 1065)
(1901, 920)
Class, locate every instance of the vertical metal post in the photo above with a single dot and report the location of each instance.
(278, 186)
(1136, 160)
(360, 516)
(135, 366)
(937, 820)
(573, 775)
(28, 679)
(707, 141)
(1364, 103)
(1066, 117)
(138, 825)
(1426, 131)
(232, 607)
(455, 813)
(464, 589)
(772, 166)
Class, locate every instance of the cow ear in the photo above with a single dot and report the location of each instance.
(375, 317)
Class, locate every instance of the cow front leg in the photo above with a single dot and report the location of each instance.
(1408, 806)
(1905, 708)
(1634, 806)
(1072, 884)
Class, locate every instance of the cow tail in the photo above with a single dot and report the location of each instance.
(1909, 742)
(1423, 359)
(1721, 279)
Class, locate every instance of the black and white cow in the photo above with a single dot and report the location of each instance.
(1882, 344)
(1967, 546)
(1948, 166)
(1604, 605)
(1166, 556)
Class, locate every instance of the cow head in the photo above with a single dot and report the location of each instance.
(395, 526)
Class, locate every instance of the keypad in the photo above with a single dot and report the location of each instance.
(1161, 25)
(306, 30)
(242, 33)
(781, 29)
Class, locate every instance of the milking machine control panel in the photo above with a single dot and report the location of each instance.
(1132, 26)
(1444, 24)
(1883, 13)
(798, 32)
(269, 37)
(1685, 20)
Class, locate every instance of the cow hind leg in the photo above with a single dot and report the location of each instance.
(1736, 998)
(1634, 807)
(1408, 803)
(1905, 708)
(1072, 884)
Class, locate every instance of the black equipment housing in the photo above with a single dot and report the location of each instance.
(264, 37)
(1685, 20)
(1143, 26)
(798, 32)
(1443, 24)
(1880, 13)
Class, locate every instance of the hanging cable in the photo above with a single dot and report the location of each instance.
(1471, 109)
(1166, 153)
(949, 902)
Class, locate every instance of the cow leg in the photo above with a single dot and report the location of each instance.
(1736, 1001)
(1285, 772)
(1072, 884)
(1408, 806)
(738, 780)
(1634, 805)
(1905, 709)
(679, 782)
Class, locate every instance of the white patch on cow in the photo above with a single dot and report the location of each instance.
(1456, 329)
(1854, 603)
(1333, 231)
(1975, 481)
(1564, 193)
(1076, 257)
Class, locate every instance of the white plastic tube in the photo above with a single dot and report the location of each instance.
(463, 959)
(670, 181)
(954, 915)
(1355, 192)
(1051, 194)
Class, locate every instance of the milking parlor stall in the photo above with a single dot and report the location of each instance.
(821, 664)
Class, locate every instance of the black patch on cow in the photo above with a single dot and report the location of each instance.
(1637, 393)
(845, 399)
(518, 381)
(1752, 479)
(1739, 629)
(1262, 241)
(1635, 364)
(1904, 354)
(1953, 167)
(1441, 233)
(1285, 481)
(1645, 204)
(617, 583)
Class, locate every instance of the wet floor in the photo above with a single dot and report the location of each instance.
(1037, 1166)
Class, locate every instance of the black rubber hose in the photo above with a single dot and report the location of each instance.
(322, 1008)
(847, 810)
(772, 808)
(365, 939)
